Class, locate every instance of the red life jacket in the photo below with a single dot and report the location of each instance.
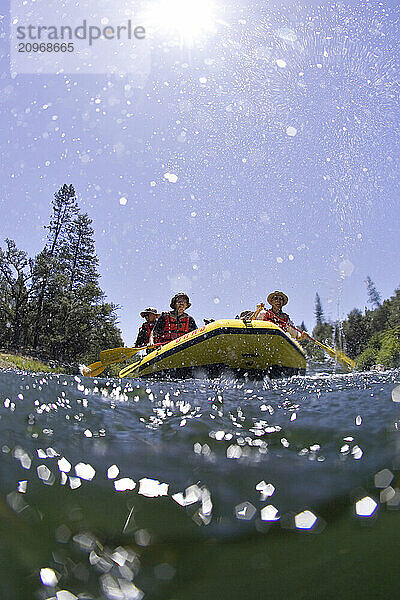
(282, 320)
(173, 328)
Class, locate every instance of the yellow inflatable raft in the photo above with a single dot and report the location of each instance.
(255, 348)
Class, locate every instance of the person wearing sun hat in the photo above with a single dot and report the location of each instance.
(278, 300)
(145, 331)
(171, 325)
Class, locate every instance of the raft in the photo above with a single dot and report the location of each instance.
(244, 348)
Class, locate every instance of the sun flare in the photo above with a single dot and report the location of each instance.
(190, 20)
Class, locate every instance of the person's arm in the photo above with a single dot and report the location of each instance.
(295, 333)
(192, 324)
(141, 337)
(256, 313)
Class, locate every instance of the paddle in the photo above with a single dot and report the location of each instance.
(94, 369)
(128, 369)
(340, 356)
(110, 357)
(255, 314)
(118, 354)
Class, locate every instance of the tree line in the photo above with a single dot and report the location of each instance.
(52, 304)
(371, 337)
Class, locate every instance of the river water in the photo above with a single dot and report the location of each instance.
(123, 489)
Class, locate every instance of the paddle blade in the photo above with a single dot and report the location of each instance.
(94, 369)
(345, 360)
(117, 354)
(341, 357)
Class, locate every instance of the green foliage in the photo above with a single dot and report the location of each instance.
(15, 274)
(370, 338)
(356, 330)
(313, 351)
(53, 303)
(323, 332)
(383, 349)
(366, 359)
(393, 307)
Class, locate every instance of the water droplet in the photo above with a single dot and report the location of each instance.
(269, 513)
(48, 577)
(396, 394)
(112, 472)
(245, 511)
(291, 131)
(366, 507)
(171, 177)
(383, 478)
(305, 520)
(346, 268)
(124, 484)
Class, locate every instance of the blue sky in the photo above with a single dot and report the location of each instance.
(280, 126)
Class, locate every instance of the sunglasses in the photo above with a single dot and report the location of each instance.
(278, 298)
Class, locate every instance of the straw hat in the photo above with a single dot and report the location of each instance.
(277, 293)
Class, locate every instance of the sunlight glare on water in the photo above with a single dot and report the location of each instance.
(239, 447)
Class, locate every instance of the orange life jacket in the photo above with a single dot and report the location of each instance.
(173, 328)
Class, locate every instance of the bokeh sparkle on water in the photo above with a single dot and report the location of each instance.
(102, 477)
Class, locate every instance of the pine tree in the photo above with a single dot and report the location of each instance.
(393, 307)
(64, 208)
(81, 313)
(81, 252)
(318, 311)
(82, 292)
(374, 297)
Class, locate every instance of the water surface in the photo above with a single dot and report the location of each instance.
(124, 489)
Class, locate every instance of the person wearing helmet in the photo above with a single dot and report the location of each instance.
(171, 325)
(278, 300)
(144, 336)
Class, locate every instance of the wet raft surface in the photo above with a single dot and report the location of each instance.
(130, 489)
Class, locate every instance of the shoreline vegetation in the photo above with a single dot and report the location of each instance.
(54, 315)
(21, 362)
(371, 338)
